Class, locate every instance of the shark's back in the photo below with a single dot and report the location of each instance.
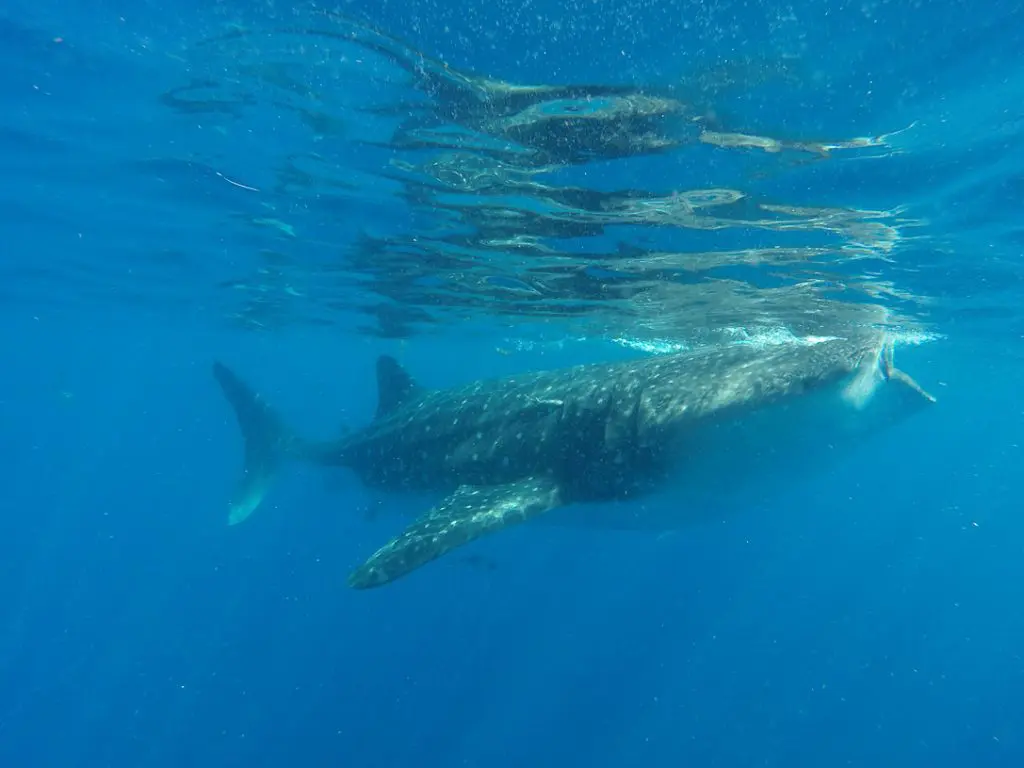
(718, 382)
(487, 432)
(594, 424)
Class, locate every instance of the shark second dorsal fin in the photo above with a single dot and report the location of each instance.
(394, 385)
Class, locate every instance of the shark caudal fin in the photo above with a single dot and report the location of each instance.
(267, 442)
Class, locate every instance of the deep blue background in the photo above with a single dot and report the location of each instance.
(871, 618)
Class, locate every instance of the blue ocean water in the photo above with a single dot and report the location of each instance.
(192, 182)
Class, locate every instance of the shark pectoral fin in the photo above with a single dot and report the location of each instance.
(466, 515)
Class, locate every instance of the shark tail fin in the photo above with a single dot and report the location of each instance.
(267, 443)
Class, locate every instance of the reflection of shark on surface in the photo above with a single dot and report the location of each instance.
(509, 450)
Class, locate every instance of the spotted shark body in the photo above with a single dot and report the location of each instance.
(715, 423)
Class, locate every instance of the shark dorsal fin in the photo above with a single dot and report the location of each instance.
(394, 385)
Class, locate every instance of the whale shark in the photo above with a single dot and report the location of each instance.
(713, 423)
